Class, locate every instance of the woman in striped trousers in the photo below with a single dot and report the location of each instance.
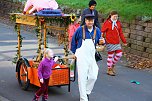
(112, 32)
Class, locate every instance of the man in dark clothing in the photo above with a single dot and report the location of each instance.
(91, 10)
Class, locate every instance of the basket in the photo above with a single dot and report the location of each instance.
(59, 76)
(100, 48)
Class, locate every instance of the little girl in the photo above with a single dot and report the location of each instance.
(44, 72)
(72, 28)
(112, 32)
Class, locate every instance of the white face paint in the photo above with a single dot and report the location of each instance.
(50, 54)
(89, 22)
(114, 17)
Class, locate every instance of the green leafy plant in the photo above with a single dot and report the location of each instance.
(17, 29)
(128, 9)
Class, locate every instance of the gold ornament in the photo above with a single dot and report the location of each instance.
(73, 17)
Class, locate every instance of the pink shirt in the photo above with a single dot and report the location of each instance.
(71, 31)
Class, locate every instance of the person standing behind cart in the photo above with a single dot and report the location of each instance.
(44, 72)
(83, 46)
(112, 32)
(91, 10)
(72, 28)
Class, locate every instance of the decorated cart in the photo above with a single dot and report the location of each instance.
(26, 70)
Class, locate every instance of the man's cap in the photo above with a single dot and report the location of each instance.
(89, 16)
(92, 2)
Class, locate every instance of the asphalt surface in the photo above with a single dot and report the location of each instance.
(107, 88)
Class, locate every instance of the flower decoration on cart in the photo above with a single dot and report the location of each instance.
(72, 17)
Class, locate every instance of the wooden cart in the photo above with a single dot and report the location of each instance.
(26, 70)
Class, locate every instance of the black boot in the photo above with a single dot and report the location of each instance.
(88, 96)
(43, 98)
(35, 98)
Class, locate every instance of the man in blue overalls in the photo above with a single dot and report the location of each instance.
(83, 46)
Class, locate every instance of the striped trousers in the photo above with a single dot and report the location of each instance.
(113, 57)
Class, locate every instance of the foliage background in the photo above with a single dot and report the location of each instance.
(128, 9)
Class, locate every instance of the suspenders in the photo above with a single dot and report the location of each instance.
(84, 34)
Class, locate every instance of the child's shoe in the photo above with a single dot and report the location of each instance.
(110, 72)
(44, 97)
(35, 98)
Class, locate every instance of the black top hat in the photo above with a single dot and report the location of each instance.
(89, 16)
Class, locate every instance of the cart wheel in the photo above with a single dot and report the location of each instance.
(23, 80)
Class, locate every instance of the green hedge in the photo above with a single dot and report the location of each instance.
(128, 9)
(17, 0)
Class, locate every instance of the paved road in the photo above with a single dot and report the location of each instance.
(107, 88)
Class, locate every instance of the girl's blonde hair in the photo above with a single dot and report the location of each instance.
(46, 50)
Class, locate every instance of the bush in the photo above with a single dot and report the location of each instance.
(128, 9)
